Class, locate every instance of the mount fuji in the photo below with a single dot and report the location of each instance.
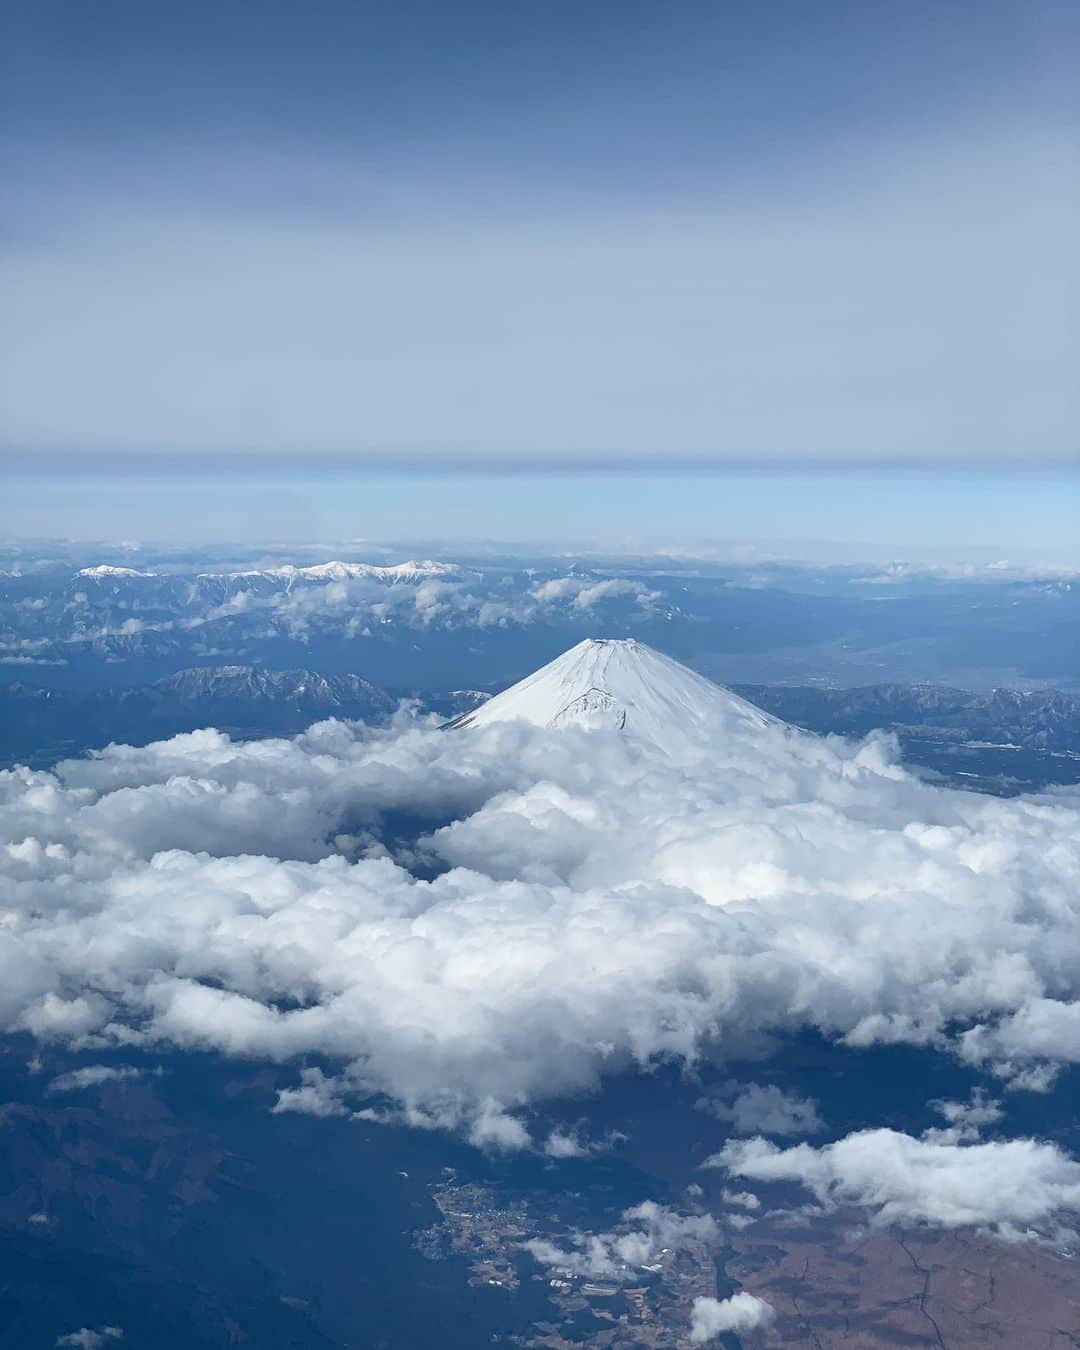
(622, 684)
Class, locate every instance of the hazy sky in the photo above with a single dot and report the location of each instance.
(1028, 519)
(555, 234)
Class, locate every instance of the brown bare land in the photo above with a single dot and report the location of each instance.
(834, 1284)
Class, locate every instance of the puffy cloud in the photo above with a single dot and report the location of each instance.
(586, 905)
(645, 1232)
(317, 1095)
(743, 1199)
(742, 1314)
(1015, 1189)
(493, 1128)
(1042, 1028)
(53, 1018)
(965, 1119)
(565, 1144)
(765, 1110)
(584, 593)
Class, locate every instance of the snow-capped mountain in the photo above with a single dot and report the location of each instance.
(254, 686)
(409, 572)
(105, 571)
(624, 684)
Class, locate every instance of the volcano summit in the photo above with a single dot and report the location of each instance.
(623, 684)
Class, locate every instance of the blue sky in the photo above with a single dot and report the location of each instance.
(559, 237)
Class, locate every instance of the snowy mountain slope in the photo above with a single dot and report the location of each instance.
(624, 684)
(252, 686)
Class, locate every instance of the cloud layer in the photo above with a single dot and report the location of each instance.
(578, 905)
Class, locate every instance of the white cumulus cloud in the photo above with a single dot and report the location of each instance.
(742, 1313)
(1015, 1189)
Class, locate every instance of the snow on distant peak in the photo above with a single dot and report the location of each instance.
(409, 571)
(626, 685)
(419, 571)
(343, 571)
(108, 570)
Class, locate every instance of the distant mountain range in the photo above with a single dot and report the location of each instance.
(434, 623)
(1030, 719)
(241, 688)
(38, 724)
(407, 572)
